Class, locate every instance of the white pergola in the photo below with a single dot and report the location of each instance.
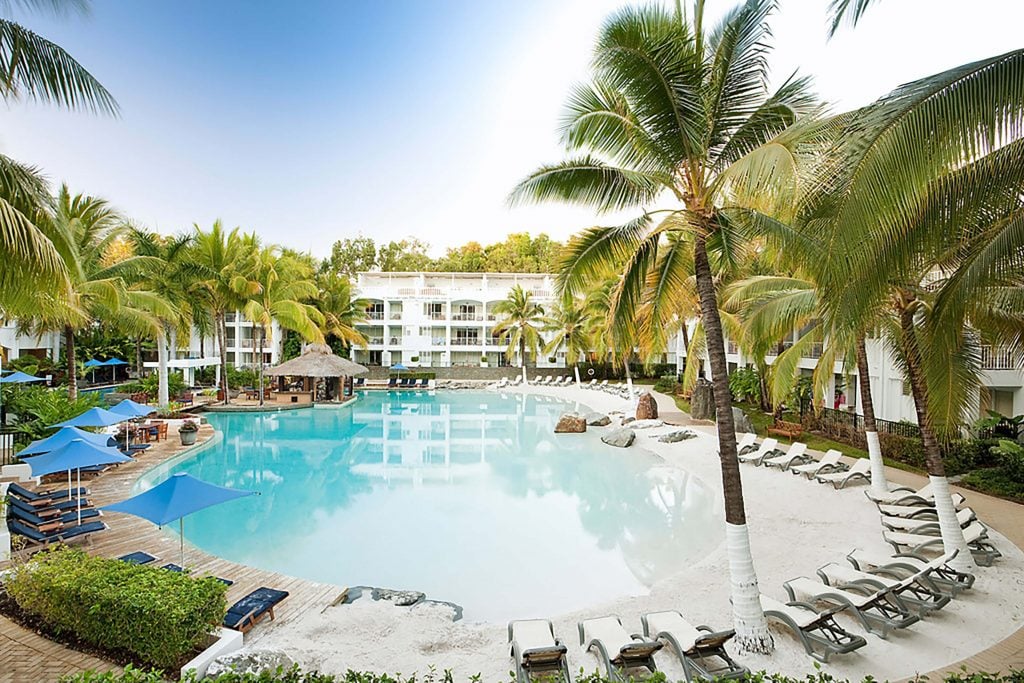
(188, 366)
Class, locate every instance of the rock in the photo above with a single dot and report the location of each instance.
(250, 662)
(742, 422)
(702, 403)
(398, 598)
(570, 423)
(646, 407)
(676, 436)
(629, 418)
(645, 424)
(597, 419)
(620, 438)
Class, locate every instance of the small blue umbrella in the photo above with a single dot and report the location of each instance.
(74, 455)
(20, 377)
(398, 367)
(94, 417)
(132, 409)
(93, 363)
(173, 499)
(61, 437)
(115, 361)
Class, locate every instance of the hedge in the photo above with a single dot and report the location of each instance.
(158, 616)
(295, 675)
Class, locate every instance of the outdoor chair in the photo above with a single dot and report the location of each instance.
(937, 573)
(911, 592)
(39, 538)
(880, 612)
(829, 463)
(47, 512)
(819, 632)
(975, 534)
(766, 448)
(392, 383)
(424, 383)
(700, 649)
(43, 498)
(916, 525)
(796, 454)
(535, 650)
(903, 495)
(251, 609)
(746, 444)
(619, 652)
(48, 524)
(861, 470)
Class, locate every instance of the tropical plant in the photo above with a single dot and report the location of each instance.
(284, 283)
(519, 318)
(679, 114)
(36, 409)
(850, 11)
(568, 322)
(342, 311)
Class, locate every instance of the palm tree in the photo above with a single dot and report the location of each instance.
(846, 10)
(569, 323)
(341, 310)
(223, 259)
(520, 319)
(34, 68)
(284, 283)
(673, 114)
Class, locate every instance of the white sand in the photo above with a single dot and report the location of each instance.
(795, 526)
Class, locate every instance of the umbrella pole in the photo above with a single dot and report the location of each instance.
(69, 484)
(78, 473)
(181, 539)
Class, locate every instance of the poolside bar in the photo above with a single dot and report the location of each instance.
(317, 362)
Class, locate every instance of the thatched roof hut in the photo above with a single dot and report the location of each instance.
(317, 360)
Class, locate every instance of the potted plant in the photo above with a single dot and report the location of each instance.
(483, 361)
(188, 431)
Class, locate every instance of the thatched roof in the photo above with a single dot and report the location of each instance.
(317, 360)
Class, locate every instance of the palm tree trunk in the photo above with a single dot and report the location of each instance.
(629, 376)
(751, 627)
(222, 345)
(260, 345)
(69, 359)
(949, 526)
(878, 480)
(163, 393)
(138, 357)
(522, 354)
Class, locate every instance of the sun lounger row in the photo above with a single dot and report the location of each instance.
(552, 381)
(536, 651)
(42, 518)
(619, 389)
(828, 470)
(408, 383)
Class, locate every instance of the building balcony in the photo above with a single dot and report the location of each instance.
(395, 341)
(815, 351)
(468, 341)
(732, 348)
(468, 317)
(375, 340)
(437, 316)
(395, 315)
(375, 315)
(438, 341)
(999, 358)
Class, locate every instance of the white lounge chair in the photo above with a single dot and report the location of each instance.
(914, 594)
(619, 652)
(535, 650)
(861, 470)
(942, 577)
(517, 381)
(536, 380)
(796, 454)
(976, 535)
(828, 463)
(766, 448)
(700, 649)
(916, 525)
(902, 495)
(818, 631)
(879, 612)
(591, 384)
(746, 444)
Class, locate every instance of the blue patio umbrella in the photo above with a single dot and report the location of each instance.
(398, 367)
(113, 363)
(60, 438)
(132, 409)
(94, 417)
(20, 377)
(74, 455)
(93, 363)
(173, 499)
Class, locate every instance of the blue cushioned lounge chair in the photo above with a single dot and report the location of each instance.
(251, 609)
(178, 569)
(392, 383)
(40, 538)
(47, 512)
(138, 557)
(34, 520)
(43, 498)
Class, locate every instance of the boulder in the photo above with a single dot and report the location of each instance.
(250, 662)
(702, 402)
(645, 424)
(676, 436)
(742, 422)
(597, 419)
(646, 407)
(620, 438)
(570, 423)
(629, 418)
(397, 597)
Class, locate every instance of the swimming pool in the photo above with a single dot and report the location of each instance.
(469, 497)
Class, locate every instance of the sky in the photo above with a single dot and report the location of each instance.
(317, 120)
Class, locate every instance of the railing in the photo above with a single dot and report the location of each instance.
(395, 341)
(849, 426)
(375, 315)
(999, 358)
(396, 316)
(230, 317)
(246, 343)
(732, 348)
(431, 291)
(467, 341)
(406, 291)
(780, 347)
(435, 315)
(814, 352)
(375, 340)
(7, 448)
(468, 316)
(438, 341)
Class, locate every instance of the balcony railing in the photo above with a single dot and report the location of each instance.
(468, 317)
(467, 341)
(999, 358)
(438, 341)
(375, 315)
(436, 315)
(376, 340)
(395, 341)
(396, 315)
(814, 352)
(732, 348)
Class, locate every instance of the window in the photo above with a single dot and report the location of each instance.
(906, 388)
(375, 311)
(434, 310)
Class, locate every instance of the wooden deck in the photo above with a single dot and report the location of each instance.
(30, 657)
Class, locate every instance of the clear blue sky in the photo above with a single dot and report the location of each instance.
(314, 120)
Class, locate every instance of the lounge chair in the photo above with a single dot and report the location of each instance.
(861, 470)
(138, 557)
(43, 498)
(766, 448)
(535, 650)
(251, 609)
(975, 534)
(603, 384)
(49, 512)
(828, 463)
(796, 454)
(517, 381)
(392, 383)
(178, 569)
(937, 573)
(700, 649)
(360, 381)
(880, 612)
(34, 537)
(619, 651)
(424, 383)
(916, 525)
(912, 593)
(591, 384)
(819, 632)
(902, 495)
(746, 444)
(47, 524)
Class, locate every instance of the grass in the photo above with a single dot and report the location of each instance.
(995, 481)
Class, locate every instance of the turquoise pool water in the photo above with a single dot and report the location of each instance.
(469, 497)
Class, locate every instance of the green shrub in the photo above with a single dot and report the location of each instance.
(150, 384)
(667, 384)
(36, 408)
(1011, 459)
(158, 616)
(745, 384)
(904, 449)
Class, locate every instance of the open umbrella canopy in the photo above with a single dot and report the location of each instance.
(74, 455)
(94, 417)
(178, 496)
(130, 408)
(93, 363)
(20, 377)
(63, 436)
(114, 361)
(398, 367)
